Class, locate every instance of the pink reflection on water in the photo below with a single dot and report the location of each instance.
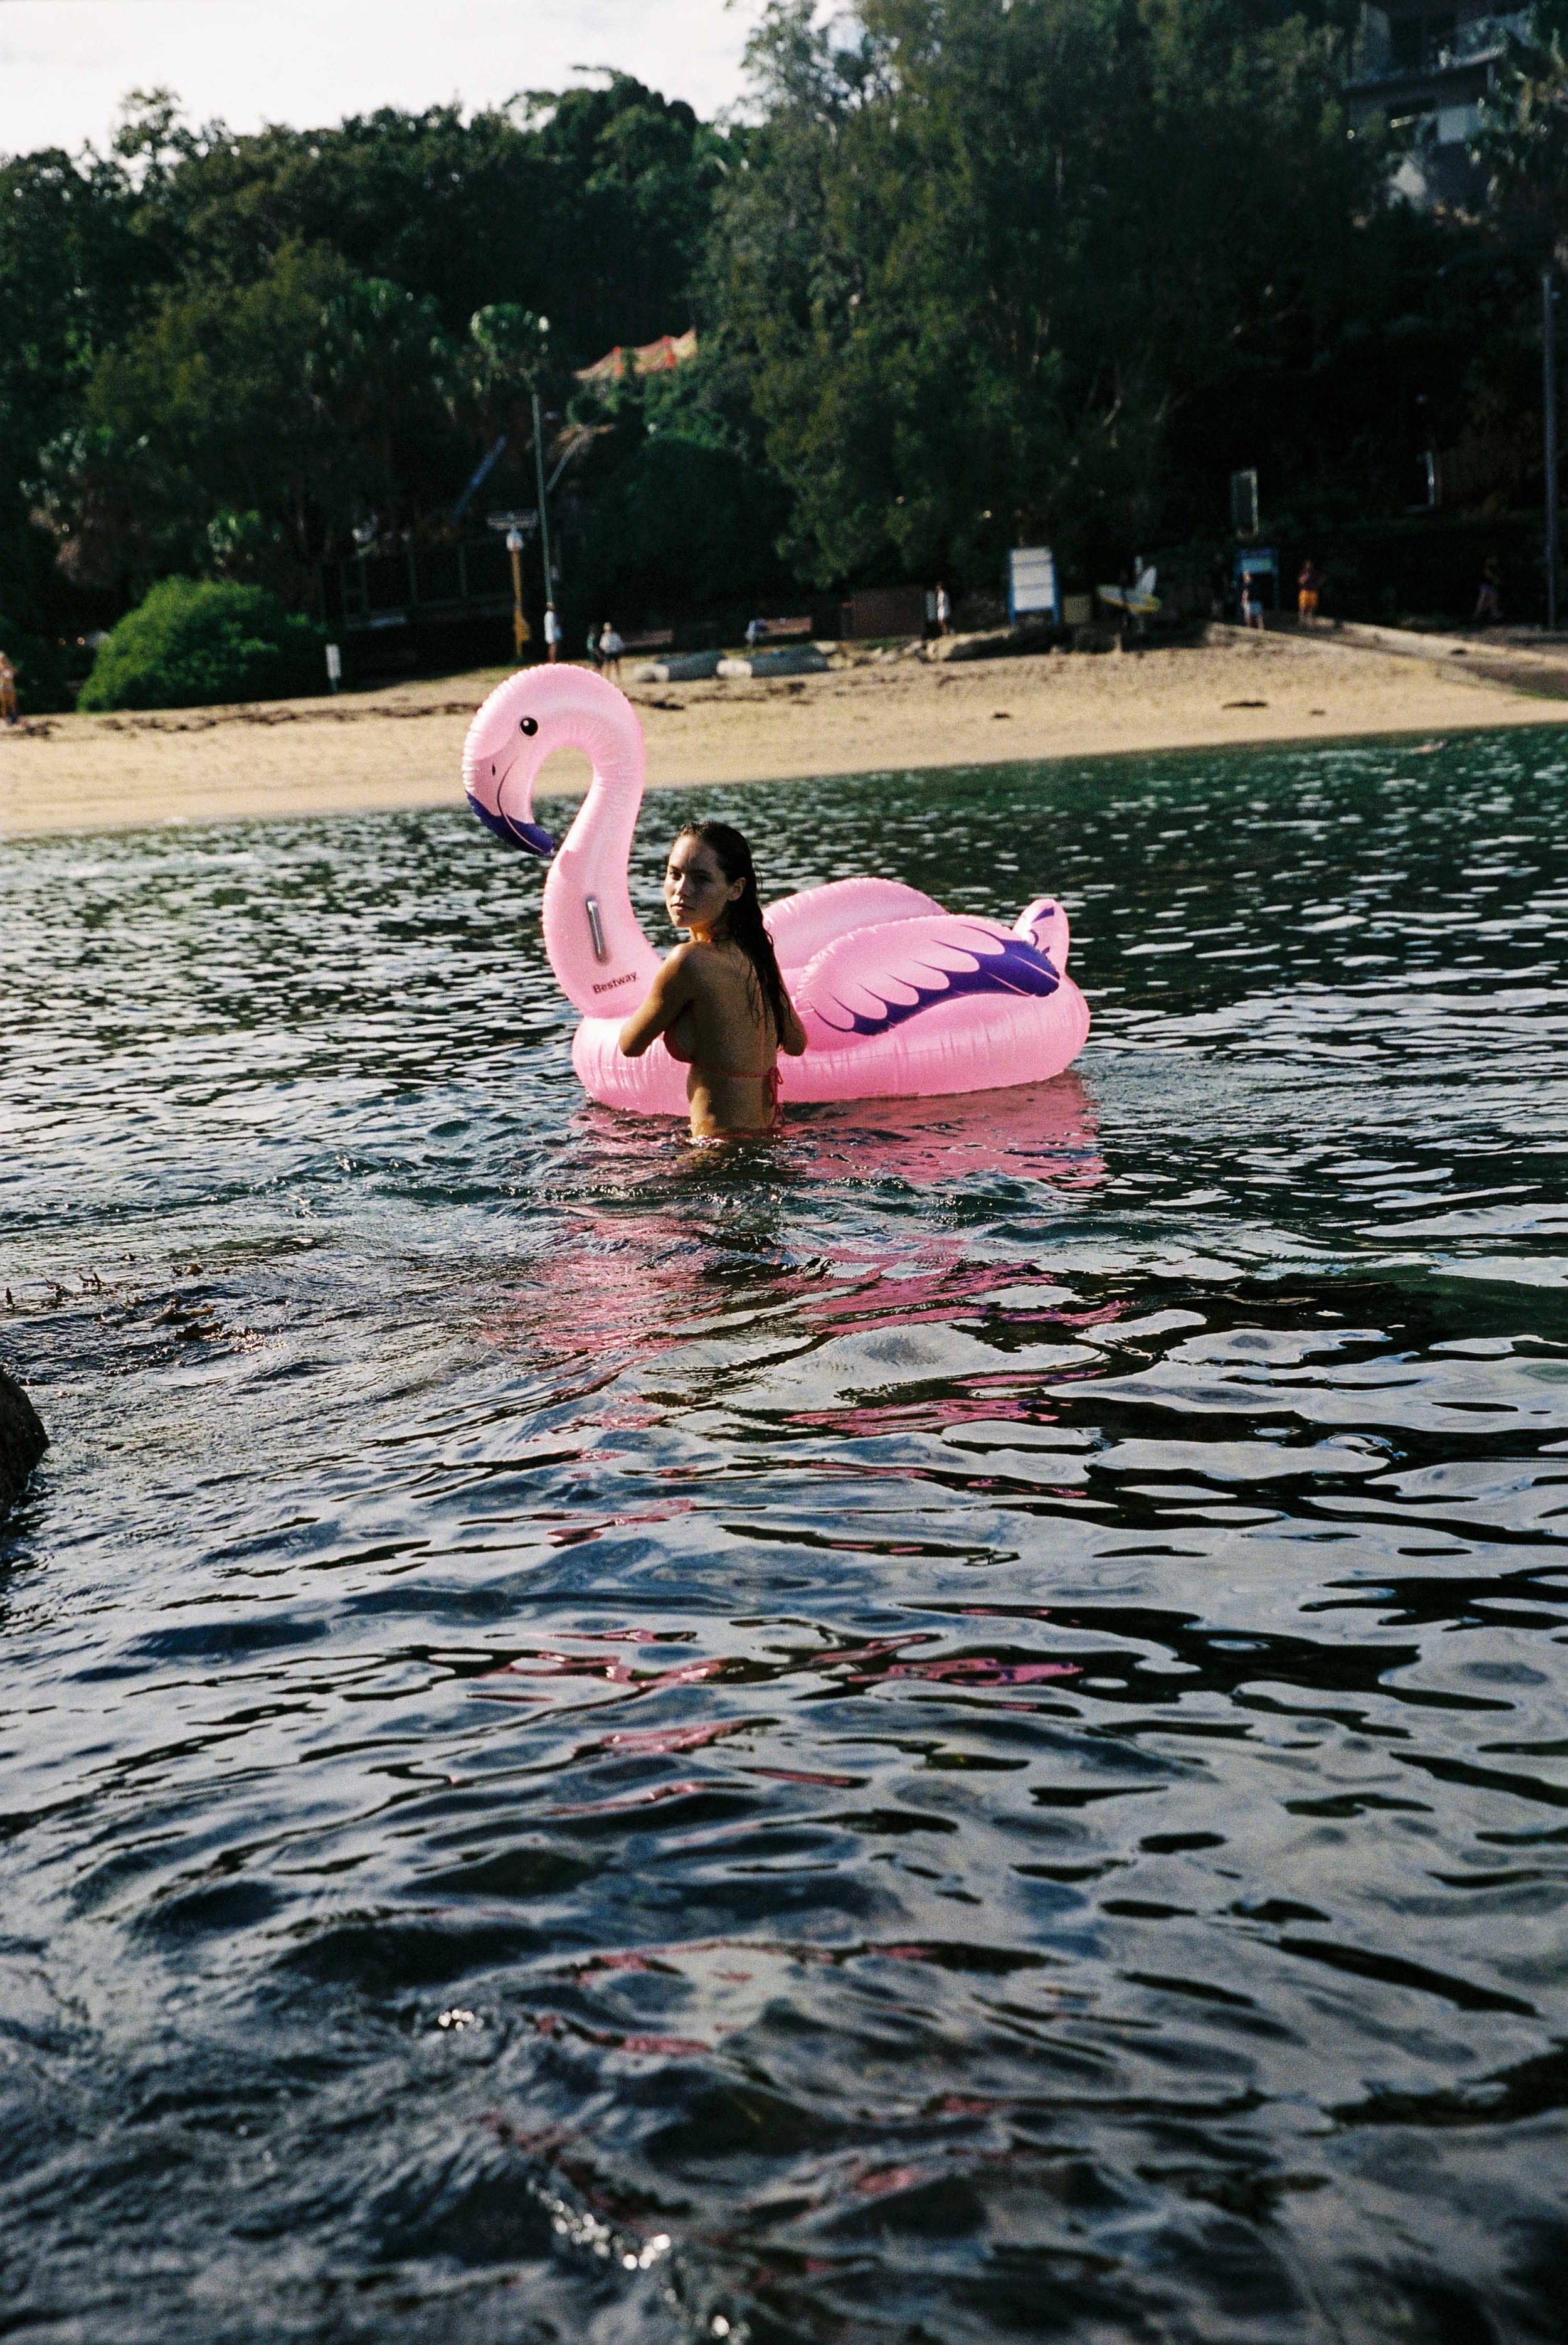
(1014, 1397)
(1038, 1131)
(809, 1775)
(611, 1290)
(619, 1287)
(652, 1795)
(677, 2047)
(885, 2180)
(580, 1532)
(979, 1668)
(859, 1666)
(661, 1740)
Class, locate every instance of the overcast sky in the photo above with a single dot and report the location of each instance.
(65, 65)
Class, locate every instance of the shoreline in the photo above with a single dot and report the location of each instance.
(400, 750)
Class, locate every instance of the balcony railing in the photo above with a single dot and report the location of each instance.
(1479, 38)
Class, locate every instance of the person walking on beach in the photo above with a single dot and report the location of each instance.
(719, 1001)
(1309, 584)
(944, 611)
(610, 650)
(1251, 601)
(7, 691)
(1488, 599)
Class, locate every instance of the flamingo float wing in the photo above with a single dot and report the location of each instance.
(1044, 925)
(801, 925)
(868, 983)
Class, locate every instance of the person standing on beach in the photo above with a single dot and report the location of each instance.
(7, 691)
(1309, 582)
(1489, 600)
(944, 611)
(594, 644)
(1251, 601)
(610, 650)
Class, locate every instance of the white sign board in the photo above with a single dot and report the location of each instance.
(1031, 583)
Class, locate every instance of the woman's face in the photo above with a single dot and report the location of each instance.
(696, 893)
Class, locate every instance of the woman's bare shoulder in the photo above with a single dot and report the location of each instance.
(701, 961)
(685, 960)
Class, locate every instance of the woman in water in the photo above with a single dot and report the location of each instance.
(719, 1001)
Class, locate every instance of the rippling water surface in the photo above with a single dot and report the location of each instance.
(951, 1728)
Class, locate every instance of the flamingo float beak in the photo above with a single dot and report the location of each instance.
(530, 836)
(500, 786)
(537, 840)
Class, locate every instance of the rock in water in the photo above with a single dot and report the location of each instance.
(22, 1439)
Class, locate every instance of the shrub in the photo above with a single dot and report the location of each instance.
(194, 642)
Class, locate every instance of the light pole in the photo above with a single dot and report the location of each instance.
(518, 624)
(552, 624)
(1549, 402)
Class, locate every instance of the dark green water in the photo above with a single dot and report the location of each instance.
(951, 1730)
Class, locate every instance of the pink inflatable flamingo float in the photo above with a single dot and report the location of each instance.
(898, 998)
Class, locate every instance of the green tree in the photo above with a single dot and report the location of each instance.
(493, 375)
(232, 351)
(631, 179)
(680, 513)
(205, 411)
(376, 373)
(981, 254)
(587, 206)
(70, 281)
(1524, 138)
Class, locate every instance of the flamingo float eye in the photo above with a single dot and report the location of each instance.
(528, 724)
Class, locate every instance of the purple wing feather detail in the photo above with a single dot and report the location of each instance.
(919, 964)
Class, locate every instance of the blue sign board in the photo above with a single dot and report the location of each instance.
(1263, 563)
(1032, 584)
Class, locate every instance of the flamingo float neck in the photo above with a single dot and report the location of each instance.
(603, 962)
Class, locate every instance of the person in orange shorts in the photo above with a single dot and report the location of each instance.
(1307, 583)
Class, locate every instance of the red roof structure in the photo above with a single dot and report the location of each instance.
(663, 357)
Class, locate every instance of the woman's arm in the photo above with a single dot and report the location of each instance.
(792, 1041)
(672, 991)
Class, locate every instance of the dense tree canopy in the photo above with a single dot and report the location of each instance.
(973, 272)
(235, 351)
(997, 263)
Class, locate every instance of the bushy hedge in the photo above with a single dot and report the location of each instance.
(194, 642)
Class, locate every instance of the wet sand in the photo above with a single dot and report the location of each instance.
(401, 747)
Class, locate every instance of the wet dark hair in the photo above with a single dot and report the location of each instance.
(744, 922)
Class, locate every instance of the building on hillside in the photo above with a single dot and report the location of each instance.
(1427, 69)
(660, 357)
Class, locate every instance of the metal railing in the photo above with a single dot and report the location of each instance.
(1476, 41)
(423, 582)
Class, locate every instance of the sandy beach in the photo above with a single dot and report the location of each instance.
(401, 747)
